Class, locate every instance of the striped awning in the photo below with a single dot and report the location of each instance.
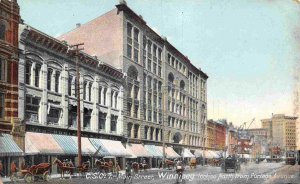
(8, 147)
(210, 154)
(67, 144)
(86, 146)
(115, 148)
(139, 150)
(170, 153)
(154, 151)
(99, 146)
(186, 153)
(40, 143)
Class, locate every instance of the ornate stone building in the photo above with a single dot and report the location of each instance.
(47, 92)
(165, 94)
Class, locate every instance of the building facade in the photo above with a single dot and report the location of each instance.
(260, 139)
(282, 131)
(47, 92)
(231, 140)
(165, 95)
(9, 22)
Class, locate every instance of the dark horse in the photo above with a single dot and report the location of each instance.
(65, 168)
(143, 166)
(135, 167)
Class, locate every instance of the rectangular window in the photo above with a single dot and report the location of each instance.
(129, 51)
(129, 30)
(28, 73)
(154, 68)
(159, 71)
(70, 85)
(32, 108)
(102, 120)
(136, 55)
(155, 116)
(2, 104)
(149, 65)
(57, 76)
(136, 35)
(2, 69)
(49, 76)
(149, 115)
(159, 54)
(37, 74)
(113, 125)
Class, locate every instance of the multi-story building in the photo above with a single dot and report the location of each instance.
(9, 23)
(221, 130)
(260, 140)
(282, 131)
(210, 135)
(165, 94)
(231, 140)
(10, 129)
(48, 99)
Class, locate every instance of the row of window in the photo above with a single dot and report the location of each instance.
(152, 57)
(54, 113)
(2, 69)
(2, 105)
(178, 65)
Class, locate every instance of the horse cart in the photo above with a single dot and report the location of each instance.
(230, 164)
(33, 173)
(193, 163)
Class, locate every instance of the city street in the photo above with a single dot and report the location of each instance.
(250, 173)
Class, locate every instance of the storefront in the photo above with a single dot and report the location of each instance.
(156, 155)
(9, 151)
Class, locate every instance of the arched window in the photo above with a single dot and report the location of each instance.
(37, 75)
(171, 78)
(182, 85)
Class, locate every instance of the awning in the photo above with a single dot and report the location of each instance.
(40, 143)
(198, 153)
(170, 153)
(67, 144)
(244, 155)
(102, 151)
(186, 153)
(8, 147)
(86, 146)
(115, 148)
(129, 151)
(154, 151)
(138, 150)
(210, 154)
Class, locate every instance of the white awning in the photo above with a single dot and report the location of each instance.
(186, 153)
(198, 153)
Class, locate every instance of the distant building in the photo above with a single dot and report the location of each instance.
(260, 140)
(281, 130)
(231, 140)
(216, 134)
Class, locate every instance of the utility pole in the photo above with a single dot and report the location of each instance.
(75, 48)
(163, 125)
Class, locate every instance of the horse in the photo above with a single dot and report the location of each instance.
(65, 168)
(170, 163)
(135, 167)
(103, 166)
(143, 166)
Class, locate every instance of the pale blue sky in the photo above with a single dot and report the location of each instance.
(247, 47)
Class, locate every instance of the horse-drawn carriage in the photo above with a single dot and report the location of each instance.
(193, 163)
(107, 164)
(139, 166)
(231, 163)
(33, 173)
(69, 168)
(170, 164)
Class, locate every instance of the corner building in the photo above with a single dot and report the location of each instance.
(163, 88)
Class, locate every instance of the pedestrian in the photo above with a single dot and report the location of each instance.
(118, 169)
(13, 168)
(128, 173)
(1, 168)
(179, 171)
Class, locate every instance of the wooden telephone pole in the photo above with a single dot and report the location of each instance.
(75, 48)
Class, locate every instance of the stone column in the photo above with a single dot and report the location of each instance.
(43, 112)
(53, 80)
(120, 121)
(95, 112)
(108, 116)
(64, 86)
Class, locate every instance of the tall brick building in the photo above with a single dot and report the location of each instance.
(9, 23)
(158, 78)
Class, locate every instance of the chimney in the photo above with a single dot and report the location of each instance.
(122, 2)
(78, 25)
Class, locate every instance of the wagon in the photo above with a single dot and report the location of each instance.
(231, 164)
(35, 172)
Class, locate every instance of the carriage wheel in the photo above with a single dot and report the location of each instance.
(28, 178)
(14, 178)
(46, 176)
